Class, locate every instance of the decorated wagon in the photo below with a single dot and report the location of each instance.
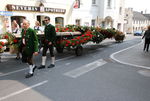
(71, 37)
(62, 41)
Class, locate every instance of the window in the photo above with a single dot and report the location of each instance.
(127, 22)
(93, 2)
(103, 24)
(109, 4)
(41, 1)
(119, 26)
(120, 10)
(93, 22)
(59, 21)
(78, 22)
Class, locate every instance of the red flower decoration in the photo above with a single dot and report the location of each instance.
(84, 39)
(57, 29)
(58, 42)
(83, 35)
(78, 37)
(67, 45)
(2, 43)
(15, 41)
(67, 29)
(73, 44)
(81, 41)
(88, 32)
(68, 42)
(6, 36)
(77, 42)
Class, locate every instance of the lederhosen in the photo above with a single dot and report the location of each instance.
(49, 36)
(25, 58)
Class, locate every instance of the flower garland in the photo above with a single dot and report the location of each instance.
(77, 40)
(94, 34)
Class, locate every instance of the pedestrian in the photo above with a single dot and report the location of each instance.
(147, 39)
(38, 30)
(29, 44)
(37, 26)
(48, 42)
(15, 27)
(15, 30)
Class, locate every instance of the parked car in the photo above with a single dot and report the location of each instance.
(138, 33)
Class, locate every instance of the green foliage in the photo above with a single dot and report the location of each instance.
(98, 37)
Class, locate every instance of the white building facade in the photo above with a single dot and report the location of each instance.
(135, 21)
(140, 22)
(104, 13)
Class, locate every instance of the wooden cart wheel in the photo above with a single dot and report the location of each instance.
(78, 50)
(60, 49)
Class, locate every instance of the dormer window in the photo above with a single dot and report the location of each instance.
(93, 2)
(109, 4)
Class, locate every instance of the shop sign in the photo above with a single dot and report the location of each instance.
(6, 13)
(55, 10)
(22, 8)
(34, 9)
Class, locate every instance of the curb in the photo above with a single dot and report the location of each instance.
(112, 56)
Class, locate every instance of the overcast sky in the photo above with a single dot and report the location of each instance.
(138, 5)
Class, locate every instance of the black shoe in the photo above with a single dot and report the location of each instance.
(51, 66)
(41, 67)
(17, 58)
(34, 68)
(28, 75)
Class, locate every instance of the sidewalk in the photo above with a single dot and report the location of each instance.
(133, 56)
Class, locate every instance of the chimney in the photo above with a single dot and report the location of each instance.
(145, 11)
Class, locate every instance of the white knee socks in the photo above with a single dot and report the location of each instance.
(31, 68)
(52, 60)
(43, 60)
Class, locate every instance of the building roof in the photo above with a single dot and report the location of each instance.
(139, 16)
(147, 15)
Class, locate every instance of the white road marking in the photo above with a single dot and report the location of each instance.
(65, 58)
(67, 64)
(23, 90)
(134, 65)
(84, 69)
(9, 73)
